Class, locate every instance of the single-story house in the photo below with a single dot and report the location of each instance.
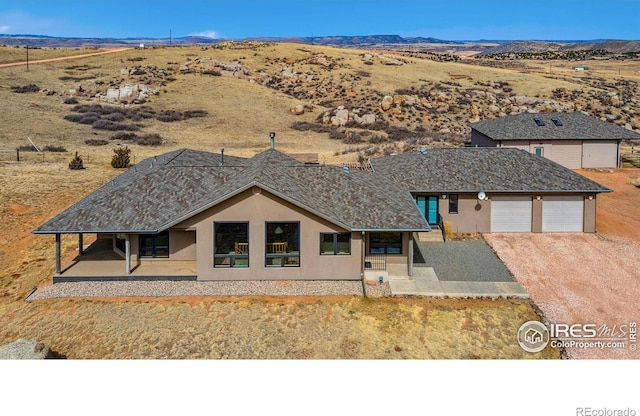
(207, 216)
(574, 140)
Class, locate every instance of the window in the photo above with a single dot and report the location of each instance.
(385, 243)
(282, 244)
(154, 245)
(230, 244)
(539, 121)
(557, 121)
(539, 151)
(335, 243)
(121, 242)
(453, 203)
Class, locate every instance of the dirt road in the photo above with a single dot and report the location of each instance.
(65, 58)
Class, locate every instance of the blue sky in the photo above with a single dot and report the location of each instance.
(237, 19)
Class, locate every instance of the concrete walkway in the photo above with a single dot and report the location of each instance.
(424, 282)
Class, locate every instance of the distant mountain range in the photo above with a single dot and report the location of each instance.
(483, 45)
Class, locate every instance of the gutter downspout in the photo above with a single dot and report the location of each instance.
(362, 247)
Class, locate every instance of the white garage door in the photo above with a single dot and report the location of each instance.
(599, 154)
(567, 153)
(562, 214)
(510, 214)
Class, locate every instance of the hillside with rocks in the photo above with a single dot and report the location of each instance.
(339, 101)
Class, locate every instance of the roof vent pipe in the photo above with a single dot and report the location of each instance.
(272, 136)
(222, 156)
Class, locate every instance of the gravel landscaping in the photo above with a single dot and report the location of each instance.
(467, 261)
(226, 288)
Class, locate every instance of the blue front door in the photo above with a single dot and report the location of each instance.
(428, 206)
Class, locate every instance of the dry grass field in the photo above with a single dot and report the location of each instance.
(19, 54)
(240, 113)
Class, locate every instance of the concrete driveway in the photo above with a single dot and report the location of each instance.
(465, 269)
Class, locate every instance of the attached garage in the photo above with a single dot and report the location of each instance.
(563, 214)
(511, 214)
(599, 154)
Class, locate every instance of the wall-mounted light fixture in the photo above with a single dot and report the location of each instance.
(444, 196)
(538, 197)
(590, 197)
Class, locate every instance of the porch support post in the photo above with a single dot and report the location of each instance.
(58, 253)
(362, 247)
(410, 259)
(127, 254)
(80, 244)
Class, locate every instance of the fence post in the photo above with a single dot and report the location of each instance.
(18, 155)
(43, 157)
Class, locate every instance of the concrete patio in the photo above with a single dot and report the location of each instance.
(100, 263)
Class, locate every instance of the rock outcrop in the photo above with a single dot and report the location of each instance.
(22, 349)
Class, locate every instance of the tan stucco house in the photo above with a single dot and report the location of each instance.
(574, 140)
(205, 216)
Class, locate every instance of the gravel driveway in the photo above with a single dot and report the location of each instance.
(578, 279)
(467, 261)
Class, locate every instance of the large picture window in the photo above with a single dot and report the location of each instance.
(385, 243)
(282, 244)
(231, 244)
(154, 245)
(335, 243)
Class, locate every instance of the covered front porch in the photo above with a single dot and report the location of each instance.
(100, 262)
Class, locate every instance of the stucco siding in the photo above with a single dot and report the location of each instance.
(473, 216)
(182, 245)
(590, 214)
(257, 207)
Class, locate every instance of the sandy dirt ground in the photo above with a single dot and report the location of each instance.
(580, 278)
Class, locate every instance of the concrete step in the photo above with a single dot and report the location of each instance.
(435, 235)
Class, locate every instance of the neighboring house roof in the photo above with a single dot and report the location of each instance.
(475, 169)
(575, 126)
(162, 191)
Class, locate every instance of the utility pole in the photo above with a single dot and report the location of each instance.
(27, 58)
(169, 37)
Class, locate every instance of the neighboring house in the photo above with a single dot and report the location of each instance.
(199, 215)
(574, 140)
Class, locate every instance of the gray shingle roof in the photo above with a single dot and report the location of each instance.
(162, 191)
(481, 169)
(575, 126)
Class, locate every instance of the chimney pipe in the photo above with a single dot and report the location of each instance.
(222, 156)
(272, 135)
